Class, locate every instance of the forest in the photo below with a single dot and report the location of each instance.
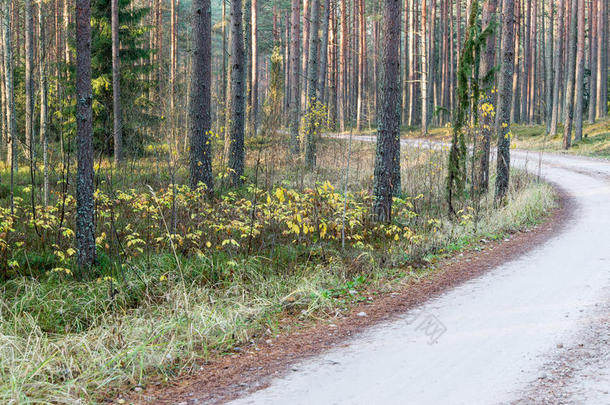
(180, 177)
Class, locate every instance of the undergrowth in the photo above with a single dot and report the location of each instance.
(182, 278)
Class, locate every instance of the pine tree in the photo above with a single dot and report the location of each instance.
(200, 100)
(387, 158)
(505, 99)
(568, 113)
(580, 72)
(312, 86)
(116, 84)
(238, 101)
(295, 79)
(85, 208)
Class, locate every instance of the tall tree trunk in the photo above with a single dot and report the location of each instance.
(3, 102)
(158, 44)
(487, 118)
(515, 107)
(505, 99)
(85, 225)
(387, 158)
(526, 63)
(548, 82)
(580, 72)
(323, 71)
(287, 84)
(200, 100)
(254, 65)
(295, 66)
(424, 71)
(569, 99)
(432, 82)
(558, 51)
(173, 63)
(238, 101)
(312, 96)
(116, 84)
(43, 103)
(411, 64)
(593, 61)
(223, 85)
(602, 60)
(531, 97)
(405, 65)
(332, 84)
(305, 60)
(361, 65)
(11, 133)
(29, 79)
(342, 67)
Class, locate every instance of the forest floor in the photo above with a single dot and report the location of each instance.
(161, 306)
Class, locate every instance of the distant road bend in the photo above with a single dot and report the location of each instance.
(533, 330)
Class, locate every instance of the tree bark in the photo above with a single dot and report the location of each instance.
(332, 84)
(602, 55)
(200, 101)
(323, 71)
(505, 99)
(387, 158)
(569, 98)
(116, 85)
(238, 101)
(580, 72)
(361, 65)
(312, 96)
(487, 118)
(424, 71)
(29, 79)
(305, 60)
(11, 133)
(405, 64)
(254, 64)
(411, 65)
(558, 51)
(43, 103)
(593, 61)
(85, 227)
(548, 82)
(526, 63)
(295, 80)
(342, 67)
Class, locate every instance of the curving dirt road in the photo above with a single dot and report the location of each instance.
(534, 330)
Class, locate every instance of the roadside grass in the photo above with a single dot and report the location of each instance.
(155, 314)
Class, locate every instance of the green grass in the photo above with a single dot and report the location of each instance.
(595, 142)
